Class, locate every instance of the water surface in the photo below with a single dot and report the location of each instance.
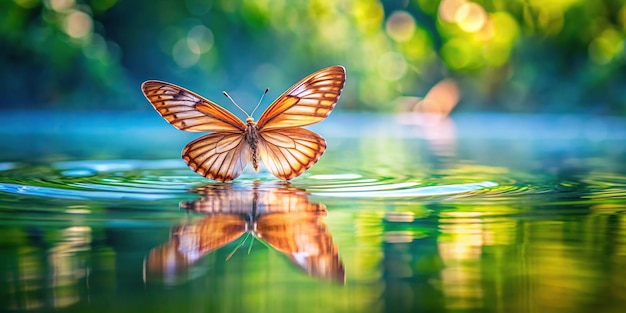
(475, 213)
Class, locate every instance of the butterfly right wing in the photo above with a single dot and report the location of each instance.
(189, 111)
(218, 156)
(302, 235)
(307, 102)
(288, 152)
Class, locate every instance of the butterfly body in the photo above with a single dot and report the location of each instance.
(252, 138)
(277, 140)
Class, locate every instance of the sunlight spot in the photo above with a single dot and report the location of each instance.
(457, 53)
(487, 32)
(470, 17)
(78, 24)
(448, 9)
(336, 31)
(400, 26)
(200, 39)
(368, 15)
(392, 66)
(97, 49)
(606, 47)
(505, 27)
(60, 5)
(183, 54)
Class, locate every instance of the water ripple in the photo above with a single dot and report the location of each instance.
(401, 190)
(93, 179)
(77, 194)
(166, 179)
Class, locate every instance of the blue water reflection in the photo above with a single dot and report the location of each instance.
(497, 213)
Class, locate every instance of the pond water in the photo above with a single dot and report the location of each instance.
(479, 212)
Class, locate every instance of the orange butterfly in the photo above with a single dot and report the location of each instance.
(277, 139)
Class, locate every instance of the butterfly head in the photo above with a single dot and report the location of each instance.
(250, 121)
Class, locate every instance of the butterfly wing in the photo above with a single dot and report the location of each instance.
(189, 243)
(288, 152)
(189, 111)
(218, 156)
(305, 239)
(210, 234)
(221, 198)
(307, 102)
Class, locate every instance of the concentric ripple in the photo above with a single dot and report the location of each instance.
(356, 186)
(110, 179)
(166, 179)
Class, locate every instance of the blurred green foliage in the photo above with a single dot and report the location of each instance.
(506, 55)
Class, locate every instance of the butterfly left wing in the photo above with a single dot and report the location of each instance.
(289, 152)
(189, 111)
(211, 233)
(307, 102)
(218, 156)
(189, 243)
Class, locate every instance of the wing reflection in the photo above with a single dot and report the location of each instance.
(280, 215)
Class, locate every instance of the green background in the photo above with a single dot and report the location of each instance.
(557, 56)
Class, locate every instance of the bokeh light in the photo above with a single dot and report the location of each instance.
(60, 5)
(458, 54)
(391, 50)
(392, 66)
(183, 53)
(606, 47)
(200, 39)
(448, 9)
(470, 17)
(78, 24)
(400, 26)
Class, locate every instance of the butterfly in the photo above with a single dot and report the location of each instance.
(277, 139)
(282, 217)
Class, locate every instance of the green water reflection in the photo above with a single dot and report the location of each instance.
(391, 222)
(280, 217)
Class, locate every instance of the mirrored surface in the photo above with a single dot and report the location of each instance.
(466, 213)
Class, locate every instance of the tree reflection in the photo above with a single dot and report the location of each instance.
(280, 216)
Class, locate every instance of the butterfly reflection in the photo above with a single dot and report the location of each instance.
(279, 215)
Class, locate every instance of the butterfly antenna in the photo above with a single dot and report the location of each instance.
(235, 103)
(257, 105)
(251, 242)
(238, 246)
